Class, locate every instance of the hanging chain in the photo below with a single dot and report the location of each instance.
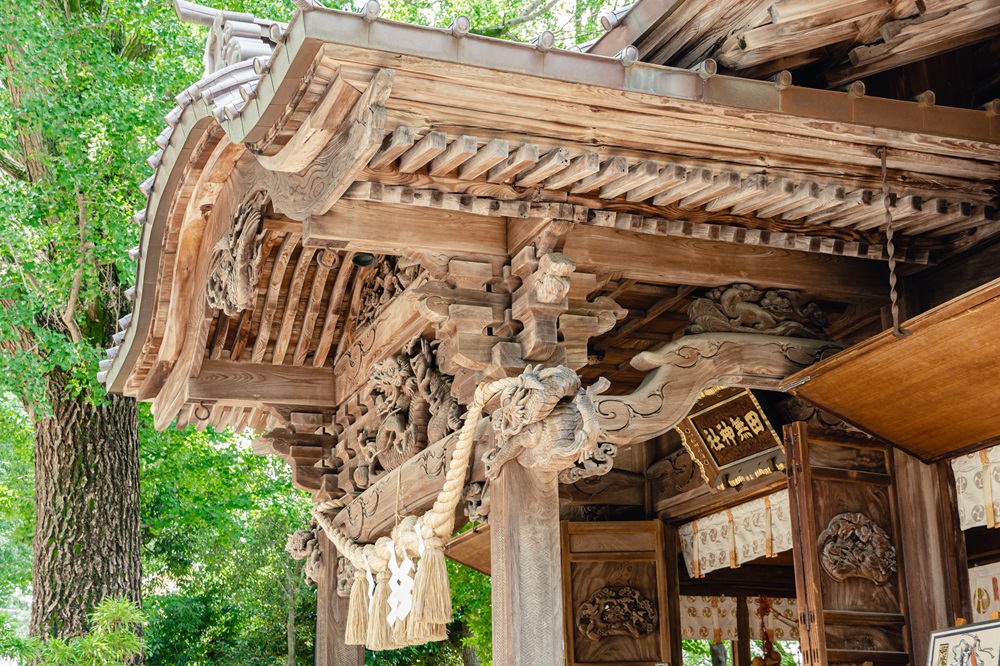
(890, 248)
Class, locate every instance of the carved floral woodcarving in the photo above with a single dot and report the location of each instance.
(853, 545)
(616, 611)
(236, 259)
(742, 308)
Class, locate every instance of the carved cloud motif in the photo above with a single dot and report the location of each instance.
(854, 545)
(236, 259)
(616, 611)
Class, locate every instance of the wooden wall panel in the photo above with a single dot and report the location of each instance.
(637, 556)
(848, 554)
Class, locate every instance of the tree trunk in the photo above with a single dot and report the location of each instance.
(87, 542)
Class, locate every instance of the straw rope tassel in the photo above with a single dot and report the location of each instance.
(356, 632)
(432, 596)
(379, 631)
(431, 591)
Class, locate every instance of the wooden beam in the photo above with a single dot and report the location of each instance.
(701, 262)
(381, 228)
(252, 384)
(353, 144)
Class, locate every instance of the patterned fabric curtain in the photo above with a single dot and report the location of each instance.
(978, 503)
(699, 618)
(758, 528)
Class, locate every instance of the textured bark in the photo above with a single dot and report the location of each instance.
(87, 542)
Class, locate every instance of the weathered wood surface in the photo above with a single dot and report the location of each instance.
(849, 561)
(679, 371)
(639, 555)
(907, 392)
(331, 615)
(933, 547)
(526, 573)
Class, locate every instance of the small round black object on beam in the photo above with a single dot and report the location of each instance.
(363, 259)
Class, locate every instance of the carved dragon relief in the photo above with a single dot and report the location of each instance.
(413, 405)
(548, 423)
(742, 308)
(236, 259)
(388, 278)
(616, 611)
(853, 545)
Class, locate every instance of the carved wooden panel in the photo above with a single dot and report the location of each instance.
(620, 603)
(848, 564)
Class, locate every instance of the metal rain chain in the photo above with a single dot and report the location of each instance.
(890, 248)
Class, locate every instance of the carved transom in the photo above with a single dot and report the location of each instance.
(236, 259)
(616, 611)
(853, 545)
(742, 308)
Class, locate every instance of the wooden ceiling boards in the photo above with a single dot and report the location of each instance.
(933, 393)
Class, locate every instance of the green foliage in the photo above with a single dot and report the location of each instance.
(17, 508)
(86, 86)
(215, 520)
(114, 638)
(696, 652)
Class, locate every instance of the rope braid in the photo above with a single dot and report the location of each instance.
(432, 607)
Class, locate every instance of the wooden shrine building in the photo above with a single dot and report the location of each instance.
(689, 324)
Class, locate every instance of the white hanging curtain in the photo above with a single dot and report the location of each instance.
(758, 528)
(978, 502)
(699, 618)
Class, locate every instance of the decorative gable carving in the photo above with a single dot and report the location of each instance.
(237, 257)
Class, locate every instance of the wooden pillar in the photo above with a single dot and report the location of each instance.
(526, 572)
(331, 615)
(741, 646)
(937, 576)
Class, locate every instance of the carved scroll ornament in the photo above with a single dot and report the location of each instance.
(616, 611)
(678, 371)
(853, 545)
(236, 259)
(742, 308)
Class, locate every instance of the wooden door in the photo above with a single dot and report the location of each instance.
(846, 546)
(620, 603)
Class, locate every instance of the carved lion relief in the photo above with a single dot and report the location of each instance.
(742, 308)
(853, 545)
(414, 403)
(616, 611)
(236, 259)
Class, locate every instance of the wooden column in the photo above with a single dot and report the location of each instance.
(331, 616)
(937, 575)
(741, 646)
(526, 572)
